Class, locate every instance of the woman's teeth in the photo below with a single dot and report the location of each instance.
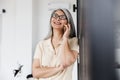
(57, 23)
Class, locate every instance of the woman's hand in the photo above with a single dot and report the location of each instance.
(61, 68)
(66, 31)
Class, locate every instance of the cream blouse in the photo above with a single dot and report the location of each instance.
(47, 57)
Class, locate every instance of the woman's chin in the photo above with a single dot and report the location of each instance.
(58, 26)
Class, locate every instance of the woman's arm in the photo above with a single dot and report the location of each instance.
(68, 56)
(43, 71)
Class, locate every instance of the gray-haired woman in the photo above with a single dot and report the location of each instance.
(54, 56)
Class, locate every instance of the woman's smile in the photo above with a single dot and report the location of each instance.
(57, 23)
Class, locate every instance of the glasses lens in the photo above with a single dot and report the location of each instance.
(55, 15)
(62, 17)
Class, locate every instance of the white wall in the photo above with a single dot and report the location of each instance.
(0, 27)
(7, 39)
(16, 38)
(0, 31)
(24, 34)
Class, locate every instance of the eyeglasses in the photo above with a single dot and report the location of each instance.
(61, 17)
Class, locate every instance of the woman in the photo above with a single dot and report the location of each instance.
(54, 56)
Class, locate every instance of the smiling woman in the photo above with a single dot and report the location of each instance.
(55, 56)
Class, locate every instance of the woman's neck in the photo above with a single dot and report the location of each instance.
(57, 35)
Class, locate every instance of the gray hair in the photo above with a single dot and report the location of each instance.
(70, 21)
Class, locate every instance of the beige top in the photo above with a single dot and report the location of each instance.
(46, 54)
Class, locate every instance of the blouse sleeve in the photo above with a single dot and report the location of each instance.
(38, 51)
(74, 44)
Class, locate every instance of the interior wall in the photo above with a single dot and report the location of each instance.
(0, 35)
(0, 27)
(7, 39)
(16, 39)
(0, 31)
(23, 36)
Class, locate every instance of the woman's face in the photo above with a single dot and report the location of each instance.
(58, 20)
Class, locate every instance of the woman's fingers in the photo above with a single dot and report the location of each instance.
(69, 26)
(66, 27)
(66, 30)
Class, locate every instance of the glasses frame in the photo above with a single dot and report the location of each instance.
(61, 17)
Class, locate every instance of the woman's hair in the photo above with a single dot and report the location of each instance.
(69, 20)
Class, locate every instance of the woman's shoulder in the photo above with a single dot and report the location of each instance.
(43, 41)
